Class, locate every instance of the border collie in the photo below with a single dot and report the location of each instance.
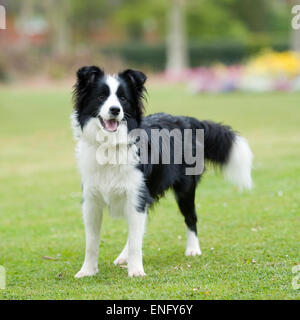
(108, 106)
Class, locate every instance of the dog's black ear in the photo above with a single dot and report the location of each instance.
(137, 78)
(87, 75)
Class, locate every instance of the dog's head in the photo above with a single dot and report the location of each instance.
(106, 100)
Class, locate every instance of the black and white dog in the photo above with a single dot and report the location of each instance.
(112, 106)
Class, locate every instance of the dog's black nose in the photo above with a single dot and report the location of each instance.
(114, 110)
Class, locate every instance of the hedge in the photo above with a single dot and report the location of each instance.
(205, 53)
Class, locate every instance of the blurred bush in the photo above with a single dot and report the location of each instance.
(204, 53)
(34, 61)
(24, 62)
(275, 63)
(267, 71)
(4, 73)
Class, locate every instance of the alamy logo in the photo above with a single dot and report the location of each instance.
(2, 17)
(296, 18)
(167, 147)
(2, 278)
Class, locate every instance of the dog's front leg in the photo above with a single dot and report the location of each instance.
(92, 217)
(136, 229)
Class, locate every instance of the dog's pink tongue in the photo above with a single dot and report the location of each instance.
(111, 125)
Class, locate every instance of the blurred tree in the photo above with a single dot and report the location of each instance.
(88, 16)
(254, 13)
(26, 13)
(209, 19)
(58, 17)
(177, 56)
(137, 18)
(263, 17)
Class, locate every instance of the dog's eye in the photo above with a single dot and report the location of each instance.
(122, 98)
(102, 97)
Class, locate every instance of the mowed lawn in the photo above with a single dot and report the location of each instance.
(250, 241)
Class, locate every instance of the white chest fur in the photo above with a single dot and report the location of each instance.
(108, 172)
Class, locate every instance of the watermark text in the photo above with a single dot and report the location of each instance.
(2, 17)
(156, 146)
(2, 278)
(296, 18)
(296, 278)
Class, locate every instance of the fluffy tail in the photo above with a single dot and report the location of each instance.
(224, 147)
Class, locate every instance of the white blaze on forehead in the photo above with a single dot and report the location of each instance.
(112, 100)
(113, 84)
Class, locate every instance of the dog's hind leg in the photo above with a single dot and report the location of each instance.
(123, 256)
(185, 197)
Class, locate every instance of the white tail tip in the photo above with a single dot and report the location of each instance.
(237, 170)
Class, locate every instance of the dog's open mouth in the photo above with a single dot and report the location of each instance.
(110, 125)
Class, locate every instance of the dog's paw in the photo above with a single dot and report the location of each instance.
(86, 273)
(121, 260)
(136, 272)
(192, 252)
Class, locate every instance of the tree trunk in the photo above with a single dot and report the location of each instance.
(57, 13)
(295, 40)
(2, 17)
(26, 13)
(177, 57)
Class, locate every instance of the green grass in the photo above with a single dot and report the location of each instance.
(40, 207)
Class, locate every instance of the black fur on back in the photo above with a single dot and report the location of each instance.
(159, 177)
